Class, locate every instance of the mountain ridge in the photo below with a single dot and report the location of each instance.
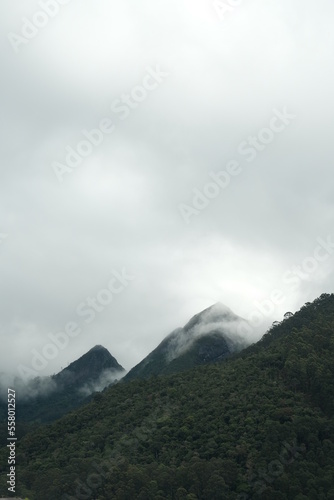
(44, 399)
(89, 366)
(260, 425)
(183, 349)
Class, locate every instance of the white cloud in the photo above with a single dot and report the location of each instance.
(119, 208)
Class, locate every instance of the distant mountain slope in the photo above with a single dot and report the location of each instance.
(208, 337)
(45, 399)
(89, 367)
(260, 426)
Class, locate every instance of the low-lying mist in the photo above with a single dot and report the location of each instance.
(106, 378)
(26, 389)
(218, 319)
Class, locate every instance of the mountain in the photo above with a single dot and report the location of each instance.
(45, 399)
(208, 337)
(259, 426)
(89, 368)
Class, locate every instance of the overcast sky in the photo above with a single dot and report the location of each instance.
(247, 94)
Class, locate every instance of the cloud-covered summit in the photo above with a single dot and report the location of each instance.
(212, 335)
(118, 208)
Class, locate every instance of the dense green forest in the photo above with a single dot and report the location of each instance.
(259, 425)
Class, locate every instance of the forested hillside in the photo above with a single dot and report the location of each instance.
(259, 425)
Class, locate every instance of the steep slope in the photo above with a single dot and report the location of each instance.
(209, 336)
(45, 399)
(259, 426)
(89, 368)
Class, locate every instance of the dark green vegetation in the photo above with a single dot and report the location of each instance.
(259, 425)
(208, 337)
(88, 368)
(45, 399)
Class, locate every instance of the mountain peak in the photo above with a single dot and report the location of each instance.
(90, 366)
(216, 313)
(219, 307)
(220, 304)
(98, 348)
(209, 336)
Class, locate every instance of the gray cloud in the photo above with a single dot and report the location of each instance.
(219, 320)
(119, 208)
(106, 378)
(31, 389)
